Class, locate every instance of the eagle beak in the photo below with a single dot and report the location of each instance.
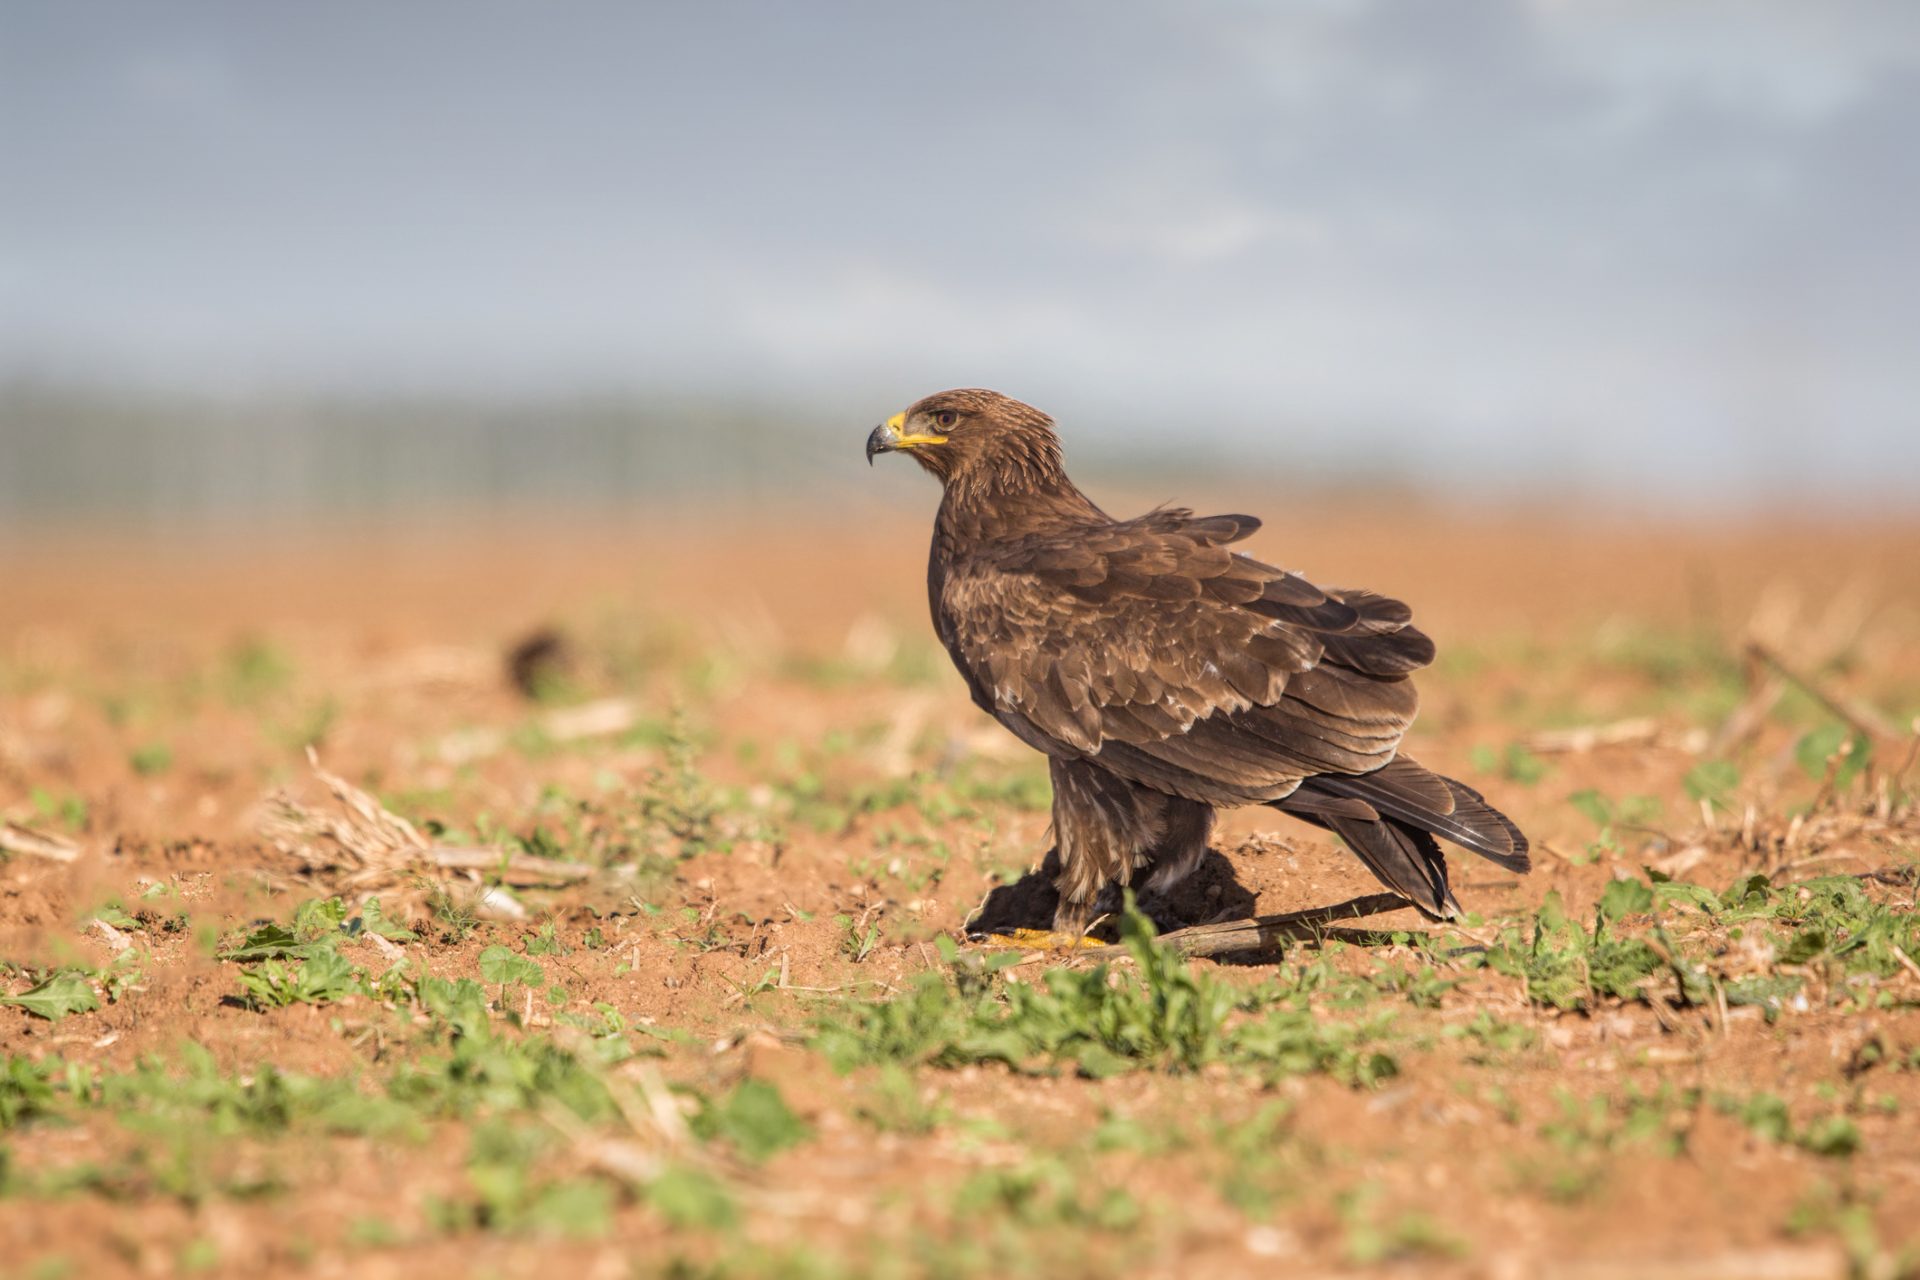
(883, 438)
(886, 438)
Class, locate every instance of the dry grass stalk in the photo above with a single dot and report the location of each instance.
(1775, 629)
(1857, 714)
(606, 718)
(362, 836)
(1795, 1262)
(115, 939)
(518, 868)
(1871, 823)
(28, 843)
(362, 845)
(656, 1135)
(1641, 731)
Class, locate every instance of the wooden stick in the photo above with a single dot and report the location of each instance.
(1263, 933)
(1763, 695)
(29, 843)
(1858, 715)
(1639, 731)
(516, 868)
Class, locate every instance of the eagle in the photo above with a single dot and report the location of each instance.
(1165, 675)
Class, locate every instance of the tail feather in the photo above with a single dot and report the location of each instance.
(1496, 829)
(1405, 859)
(1389, 818)
(1405, 790)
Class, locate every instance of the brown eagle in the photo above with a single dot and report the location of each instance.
(1164, 675)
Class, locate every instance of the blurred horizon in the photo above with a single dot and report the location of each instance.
(1632, 254)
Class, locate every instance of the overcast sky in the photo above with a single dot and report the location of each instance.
(1656, 243)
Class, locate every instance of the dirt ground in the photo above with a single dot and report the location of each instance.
(705, 862)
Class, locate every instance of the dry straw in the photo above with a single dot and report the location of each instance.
(354, 844)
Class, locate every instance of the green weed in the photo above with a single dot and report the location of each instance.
(754, 1119)
(858, 938)
(1768, 1116)
(1516, 763)
(1044, 1192)
(69, 809)
(254, 670)
(300, 963)
(1265, 1160)
(1160, 1014)
(1372, 1238)
(150, 759)
(55, 996)
(321, 978)
(1712, 781)
(1832, 924)
(894, 1105)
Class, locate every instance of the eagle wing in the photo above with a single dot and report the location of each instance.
(1176, 661)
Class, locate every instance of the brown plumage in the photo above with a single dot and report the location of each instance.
(1165, 675)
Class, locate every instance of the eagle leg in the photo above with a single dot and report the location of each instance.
(1108, 832)
(1180, 851)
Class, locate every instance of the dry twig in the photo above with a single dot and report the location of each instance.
(364, 846)
(28, 843)
(1640, 731)
(606, 718)
(1858, 715)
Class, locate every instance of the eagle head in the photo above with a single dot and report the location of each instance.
(969, 434)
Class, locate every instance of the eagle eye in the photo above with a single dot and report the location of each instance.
(946, 417)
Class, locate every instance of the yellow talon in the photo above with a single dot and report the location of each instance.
(1040, 940)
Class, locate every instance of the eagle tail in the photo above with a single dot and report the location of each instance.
(1389, 818)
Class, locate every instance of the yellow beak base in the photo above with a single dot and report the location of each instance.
(887, 437)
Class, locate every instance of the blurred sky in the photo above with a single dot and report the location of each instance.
(1651, 244)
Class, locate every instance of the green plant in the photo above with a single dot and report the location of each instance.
(253, 670)
(1833, 747)
(1043, 1192)
(754, 1119)
(456, 913)
(1266, 1162)
(1162, 1013)
(510, 1195)
(546, 941)
(504, 968)
(857, 937)
(301, 963)
(1517, 763)
(150, 759)
(1659, 1121)
(1768, 1116)
(321, 977)
(69, 810)
(1713, 781)
(679, 800)
(1609, 815)
(1568, 966)
(894, 1105)
(690, 1197)
(1372, 1238)
(26, 1091)
(58, 994)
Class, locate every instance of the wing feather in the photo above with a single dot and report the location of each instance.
(1152, 645)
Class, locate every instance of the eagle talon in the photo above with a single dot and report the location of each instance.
(1039, 940)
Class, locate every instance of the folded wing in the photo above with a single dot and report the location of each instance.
(1178, 663)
